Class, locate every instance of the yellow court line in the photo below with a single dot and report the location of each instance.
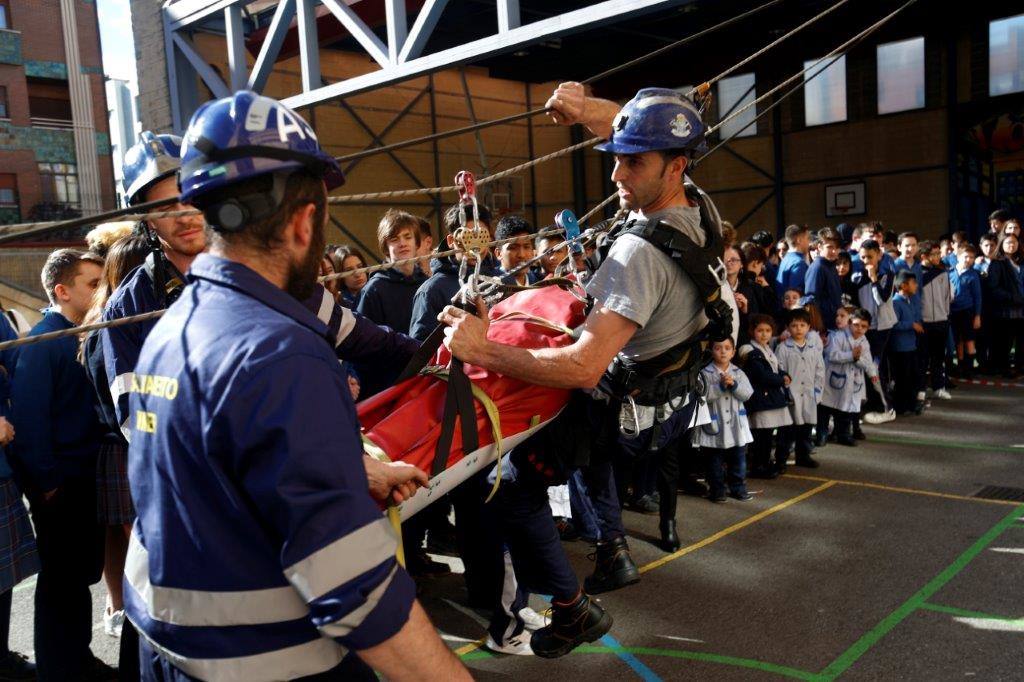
(909, 491)
(735, 527)
(469, 648)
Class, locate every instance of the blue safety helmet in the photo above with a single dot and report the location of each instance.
(245, 136)
(153, 158)
(657, 119)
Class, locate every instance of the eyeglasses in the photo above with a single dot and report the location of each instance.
(733, 260)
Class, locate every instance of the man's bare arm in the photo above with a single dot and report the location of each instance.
(569, 104)
(415, 653)
(579, 365)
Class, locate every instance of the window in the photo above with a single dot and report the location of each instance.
(8, 190)
(3, 102)
(60, 183)
(825, 94)
(48, 99)
(1006, 56)
(901, 76)
(733, 94)
(5, 14)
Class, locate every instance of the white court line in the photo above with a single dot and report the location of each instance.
(1008, 550)
(682, 639)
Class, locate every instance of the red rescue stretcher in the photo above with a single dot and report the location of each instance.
(407, 422)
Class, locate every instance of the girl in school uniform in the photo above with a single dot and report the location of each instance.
(767, 408)
(801, 358)
(724, 440)
(848, 361)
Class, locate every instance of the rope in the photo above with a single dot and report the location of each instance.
(835, 52)
(75, 331)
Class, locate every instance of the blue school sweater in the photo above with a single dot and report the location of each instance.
(966, 290)
(54, 408)
(792, 271)
(8, 361)
(903, 338)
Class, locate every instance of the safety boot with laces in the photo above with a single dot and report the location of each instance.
(572, 624)
(613, 568)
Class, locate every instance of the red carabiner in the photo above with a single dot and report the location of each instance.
(467, 187)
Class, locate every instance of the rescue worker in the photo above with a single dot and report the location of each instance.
(150, 173)
(259, 553)
(641, 340)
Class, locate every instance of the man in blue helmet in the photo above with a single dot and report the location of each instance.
(259, 552)
(639, 352)
(150, 174)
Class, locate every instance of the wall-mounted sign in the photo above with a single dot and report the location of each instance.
(844, 200)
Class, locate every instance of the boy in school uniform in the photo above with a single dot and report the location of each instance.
(936, 295)
(822, 285)
(909, 245)
(903, 345)
(848, 361)
(767, 408)
(724, 440)
(965, 310)
(803, 362)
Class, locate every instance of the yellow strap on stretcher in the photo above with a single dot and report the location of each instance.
(375, 451)
(492, 415)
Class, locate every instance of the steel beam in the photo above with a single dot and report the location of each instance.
(309, 46)
(397, 26)
(508, 15)
(202, 68)
(387, 129)
(570, 22)
(235, 35)
(276, 34)
(424, 25)
(746, 216)
(360, 31)
(184, 13)
(472, 118)
(377, 141)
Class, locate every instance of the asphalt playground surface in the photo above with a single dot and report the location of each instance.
(879, 565)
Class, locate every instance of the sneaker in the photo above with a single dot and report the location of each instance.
(571, 625)
(743, 496)
(691, 486)
(717, 498)
(943, 394)
(880, 417)
(15, 666)
(513, 646)
(533, 620)
(113, 621)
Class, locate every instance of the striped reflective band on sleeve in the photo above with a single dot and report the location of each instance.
(121, 384)
(355, 618)
(328, 314)
(343, 560)
(177, 606)
(317, 656)
(327, 304)
(126, 429)
(348, 323)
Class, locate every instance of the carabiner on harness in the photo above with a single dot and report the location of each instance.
(472, 240)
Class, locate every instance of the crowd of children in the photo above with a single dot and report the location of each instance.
(868, 325)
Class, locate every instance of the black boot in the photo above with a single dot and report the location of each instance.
(669, 539)
(571, 625)
(613, 568)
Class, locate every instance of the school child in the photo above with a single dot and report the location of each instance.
(802, 360)
(767, 408)
(965, 310)
(821, 431)
(903, 345)
(724, 441)
(936, 295)
(848, 361)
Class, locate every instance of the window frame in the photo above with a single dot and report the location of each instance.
(5, 16)
(750, 94)
(924, 77)
(13, 189)
(810, 71)
(56, 181)
(1020, 50)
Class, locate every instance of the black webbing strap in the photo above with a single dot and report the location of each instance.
(421, 358)
(459, 403)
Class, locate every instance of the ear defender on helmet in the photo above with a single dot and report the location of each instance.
(234, 213)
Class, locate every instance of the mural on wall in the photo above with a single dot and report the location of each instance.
(1000, 140)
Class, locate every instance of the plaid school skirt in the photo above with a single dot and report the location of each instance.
(18, 556)
(113, 497)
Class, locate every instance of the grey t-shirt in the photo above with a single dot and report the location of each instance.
(641, 283)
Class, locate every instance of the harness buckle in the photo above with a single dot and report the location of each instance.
(629, 420)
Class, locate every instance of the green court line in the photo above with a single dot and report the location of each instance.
(785, 671)
(944, 444)
(963, 613)
(865, 643)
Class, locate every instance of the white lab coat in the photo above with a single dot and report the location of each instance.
(845, 387)
(729, 426)
(806, 369)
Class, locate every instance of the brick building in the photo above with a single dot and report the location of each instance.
(54, 143)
